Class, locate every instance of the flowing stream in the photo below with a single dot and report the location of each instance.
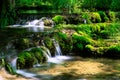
(57, 59)
(36, 25)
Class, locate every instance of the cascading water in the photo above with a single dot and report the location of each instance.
(36, 25)
(58, 51)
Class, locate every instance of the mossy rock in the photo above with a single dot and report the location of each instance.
(25, 60)
(39, 55)
(58, 19)
(49, 44)
(22, 43)
(65, 42)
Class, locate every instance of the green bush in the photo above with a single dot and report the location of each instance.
(85, 28)
(103, 16)
(86, 16)
(79, 42)
(103, 26)
(95, 17)
(95, 29)
(58, 19)
(112, 16)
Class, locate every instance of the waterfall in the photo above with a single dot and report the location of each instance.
(58, 51)
(14, 63)
(36, 25)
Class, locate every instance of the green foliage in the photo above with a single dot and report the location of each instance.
(65, 42)
(115, 5)
(103, 16)
(49, 44)
(95, 17)
(103, 26)
(95, 29)
(103, 4)
(58, 19)
(112, 16)
(86, 16)
(85, 28)
(38, 54)
(80, 42)
(25, 60)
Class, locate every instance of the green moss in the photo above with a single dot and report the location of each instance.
(64, 41)
(95, 17)
(39, 55)
(25, 60)
(58, 19)
(95, 29)
(112, 16)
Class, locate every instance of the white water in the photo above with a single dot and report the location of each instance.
(23, 72)
(58, 58)
(58, 51)
(14, 63)
(36, 25)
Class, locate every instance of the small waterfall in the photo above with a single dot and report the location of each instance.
(36, 25)
(14, 63)
(58, 51)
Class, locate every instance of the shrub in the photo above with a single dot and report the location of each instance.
(103, 16)
(95, 17)
(103, 26)
(80, 42)
(86, 16)
(58, 19)
(84, 28)
(111, 16)
(95, 29)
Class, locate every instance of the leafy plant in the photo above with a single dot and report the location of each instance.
(103, 16)
(95, 17)
(58, 19)
(112, 16)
